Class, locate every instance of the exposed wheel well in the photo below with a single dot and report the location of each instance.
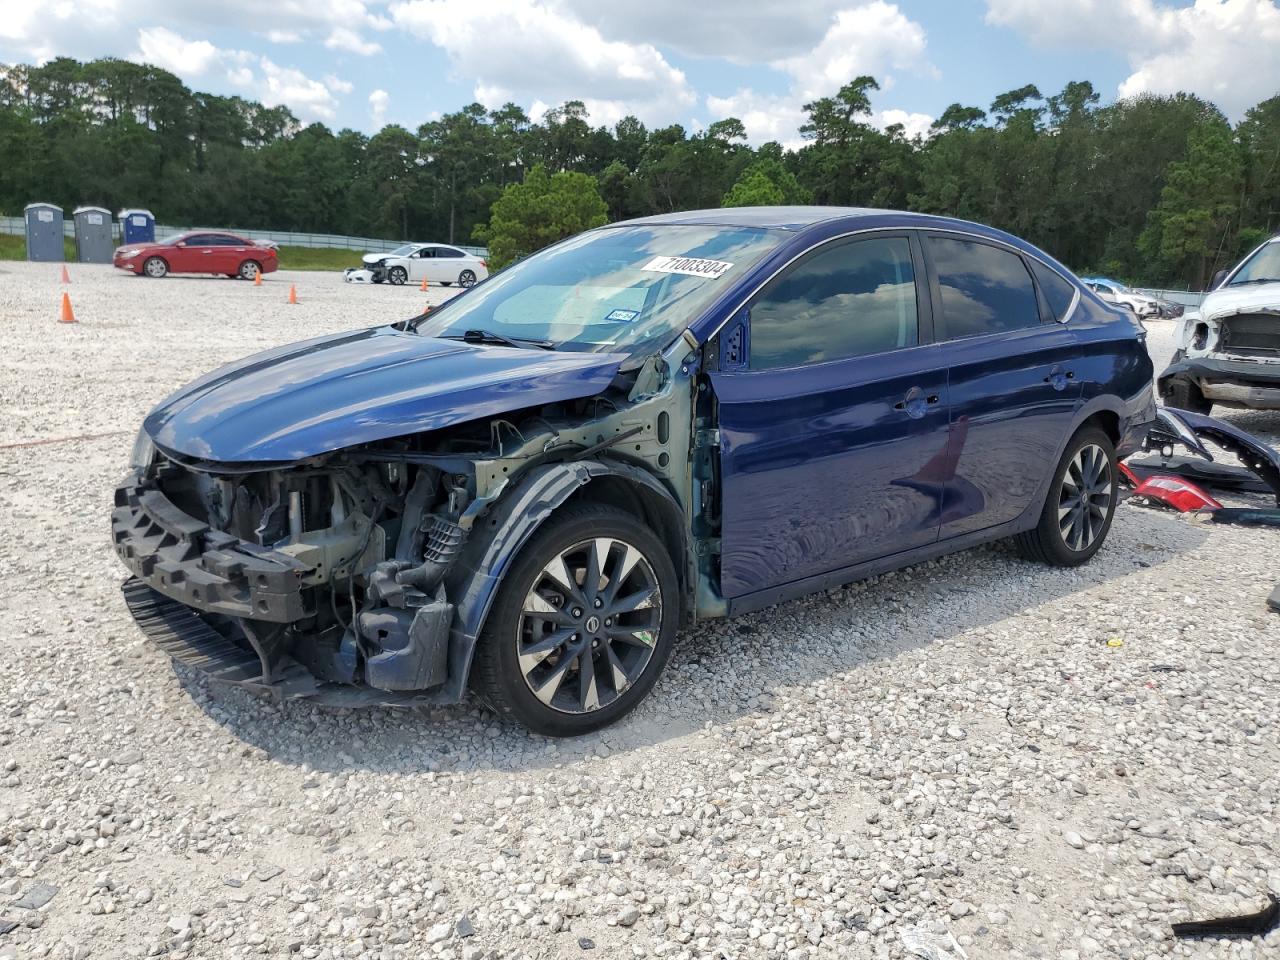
(650, 508)
(1107, 422)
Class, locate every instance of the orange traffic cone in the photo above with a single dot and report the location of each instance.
(257, 279)
(68, 316)
(424, 284)
(66, 277)
(293, 294)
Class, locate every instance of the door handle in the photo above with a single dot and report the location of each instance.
(206, 252)
(1057, 378)
(914, 402)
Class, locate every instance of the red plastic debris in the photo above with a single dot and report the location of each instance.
(1183, 495)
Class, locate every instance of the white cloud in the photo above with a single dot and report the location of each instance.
(524, 50)
(875, 38)
(379, 100)
(342, 38)
(284, 36)
(913, 124)
(309, 99)
(337, 84)
(1223, 50)
(164, 48)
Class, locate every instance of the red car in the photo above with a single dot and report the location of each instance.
(198, 252)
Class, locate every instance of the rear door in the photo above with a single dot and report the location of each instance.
(1012, 379)
(831, 404)
(447, 264)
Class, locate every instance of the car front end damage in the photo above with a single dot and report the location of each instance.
(1229, 355)
(363, 576)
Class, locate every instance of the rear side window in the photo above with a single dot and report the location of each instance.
(984, 289)
(1057, 290)
(849, 300)
(449, 252)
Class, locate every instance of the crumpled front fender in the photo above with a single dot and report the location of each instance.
(476, 576)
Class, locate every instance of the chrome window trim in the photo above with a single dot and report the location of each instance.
(916, 228)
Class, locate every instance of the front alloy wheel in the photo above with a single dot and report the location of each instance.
(583, 623)
(155, 268)
(398, 275)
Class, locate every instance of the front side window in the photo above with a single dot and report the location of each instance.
(426, 253)
(850, 300)
(1262, 267)
(984, 289)
(626, 289)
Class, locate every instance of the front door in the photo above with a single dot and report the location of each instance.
(832, 416)
(1012, 380)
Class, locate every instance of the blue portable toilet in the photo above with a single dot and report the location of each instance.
(137, 226)
(44, 232)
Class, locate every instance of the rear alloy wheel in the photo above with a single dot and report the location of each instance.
(583, 624)
(155, 267)
(467, 278)
(249, 270)
(398, 275)
(1081, 504)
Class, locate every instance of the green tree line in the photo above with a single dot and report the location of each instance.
(1153, 189)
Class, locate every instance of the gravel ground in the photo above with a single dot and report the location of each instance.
(1045, 763)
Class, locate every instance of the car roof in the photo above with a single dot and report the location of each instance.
(783, 218)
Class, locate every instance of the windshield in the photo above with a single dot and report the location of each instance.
(1262, 267)
(404, 251)
(613, 290)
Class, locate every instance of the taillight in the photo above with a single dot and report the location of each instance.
(1183, 495)
(485, 264)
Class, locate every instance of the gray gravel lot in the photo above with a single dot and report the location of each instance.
(955, 744)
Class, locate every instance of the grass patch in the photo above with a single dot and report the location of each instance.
(15, 248)
(318, 258)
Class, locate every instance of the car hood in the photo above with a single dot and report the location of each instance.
(322, 395)
(1255, 298)
(372, 258)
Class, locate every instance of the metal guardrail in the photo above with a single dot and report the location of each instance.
(17, 226)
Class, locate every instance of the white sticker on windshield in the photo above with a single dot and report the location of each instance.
(689, 266)
(623, 316)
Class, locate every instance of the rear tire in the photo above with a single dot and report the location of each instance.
(467, 278)
(539, 636)
(1185, 395)
(1080, 504)
(250, 269)
(155, 268)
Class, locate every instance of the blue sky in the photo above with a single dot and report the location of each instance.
(361, 63)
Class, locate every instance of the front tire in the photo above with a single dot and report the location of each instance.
(582, 626)
(398, 275)
(1185, 395)
(155, 268)
(1081, 503)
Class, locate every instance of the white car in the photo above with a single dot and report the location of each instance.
(1117, 293)
(433, 262)
(1229, 350)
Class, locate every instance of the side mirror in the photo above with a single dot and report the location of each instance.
(182, 243)
(1217, 279)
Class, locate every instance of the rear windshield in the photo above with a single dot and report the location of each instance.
(612, 290)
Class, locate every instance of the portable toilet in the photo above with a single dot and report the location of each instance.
(44, 232)
(93, 235)
(137, 226)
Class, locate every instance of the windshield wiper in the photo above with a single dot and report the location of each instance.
(1245, 283)
(488, 336)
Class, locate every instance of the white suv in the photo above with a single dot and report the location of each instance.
(1229, 350)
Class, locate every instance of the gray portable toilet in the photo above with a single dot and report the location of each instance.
(93, 235)
(44, 232)
(137, 226)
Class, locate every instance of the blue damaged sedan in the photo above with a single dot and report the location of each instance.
(527, 492)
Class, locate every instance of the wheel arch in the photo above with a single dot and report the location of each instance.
(498, 536)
